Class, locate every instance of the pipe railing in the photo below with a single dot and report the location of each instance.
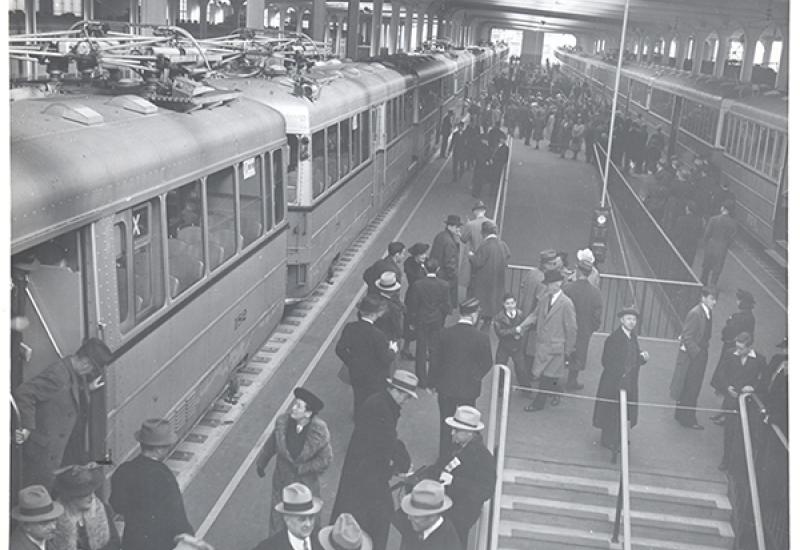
(624, 495)
(755, 499)
(488, 532)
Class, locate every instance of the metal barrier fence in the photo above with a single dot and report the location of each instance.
(656, 300)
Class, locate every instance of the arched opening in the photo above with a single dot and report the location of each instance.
(552, 41)
(734, 56)
(767, 57)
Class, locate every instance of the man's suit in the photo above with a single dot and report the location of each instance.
(428, 308)
(280, 541)
(444, 537)
(445, 250)
(365, 350)
(588, 304)
(462, 359)
(20, 541)
(718, 238)
(690, 366)
(374, 272)
(471, 238)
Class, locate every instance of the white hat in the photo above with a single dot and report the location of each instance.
(465, 418)
(586, 255)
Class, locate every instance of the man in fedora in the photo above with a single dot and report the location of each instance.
(374, 454)
(144, 490)
(36, 515)
(366, 351)
(391, 322)
(488, 265)
(472, 238)
(460, 361)
(428, 309)
(588, 304)
(415, 270)
(299, 509)
(54, 408)
(445, 249)
(555, 335)
(344, 534)
(393, 261)
(468, 472)
(421, 520)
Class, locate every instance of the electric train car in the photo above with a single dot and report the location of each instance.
(162, 233)
(744, 134)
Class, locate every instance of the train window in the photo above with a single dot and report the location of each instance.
(391, 113)
(661, 103)
(364, 123)
(251, 199)
(408, 109)
(222, 236)
(355, 141)
(332, 155)
(185, 243)
(699, 120)
(277, 185)
(318, 163)
(137, 247)
(344, 147)
(779, 154)
(291, 169)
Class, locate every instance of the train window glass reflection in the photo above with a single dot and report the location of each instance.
(364, 123)
(277, 185)
(251, 199)
(344, 147)
(332, 141)
(318, 163)
(291, 180)
(185, 243)
(221, 218)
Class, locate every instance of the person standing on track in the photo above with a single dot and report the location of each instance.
(445, 250)
(720, 231)
(690, 366)
(298, 510)
(366, 351)
(462, 359)
(373, 456)
(488, 266)
(588, 304)
(499, 162)
(428, 309)
(302, 444)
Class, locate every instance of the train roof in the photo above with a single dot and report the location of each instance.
(74, 157)
(768, 109)
(425, 66)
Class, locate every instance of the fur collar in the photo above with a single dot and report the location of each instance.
(317, 436)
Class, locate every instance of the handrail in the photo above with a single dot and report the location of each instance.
(625, 277)
(488, 533)
(624, 495)
(765, 412)
(758, 523)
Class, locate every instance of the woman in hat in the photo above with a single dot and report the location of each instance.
(302, 444)
(36, 515)
(87, 522)
(621, 360)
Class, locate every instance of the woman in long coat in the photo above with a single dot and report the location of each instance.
(302, 444)
(621, 360)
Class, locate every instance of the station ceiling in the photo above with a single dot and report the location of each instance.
(606, 15)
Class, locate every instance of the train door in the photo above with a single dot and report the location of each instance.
(675, 126)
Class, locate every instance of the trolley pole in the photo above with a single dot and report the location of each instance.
(614, 103)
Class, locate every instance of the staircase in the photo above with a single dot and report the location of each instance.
(554, 506)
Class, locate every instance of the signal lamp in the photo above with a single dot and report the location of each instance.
(598, 236)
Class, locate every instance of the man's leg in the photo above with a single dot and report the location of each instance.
(447, 407)
(421, 358)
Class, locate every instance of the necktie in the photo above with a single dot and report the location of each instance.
(306, 544)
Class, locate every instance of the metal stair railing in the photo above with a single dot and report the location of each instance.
(623, 495)
(755, 499)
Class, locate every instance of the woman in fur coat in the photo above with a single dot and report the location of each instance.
(302, 444)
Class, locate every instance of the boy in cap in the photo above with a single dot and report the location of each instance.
(299, 509)
(144, 490)
(421, 519)
(36, 516)
(445, 249)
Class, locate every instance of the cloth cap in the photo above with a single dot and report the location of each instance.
(453, 219)
(468, 306)
(296, 499)
(426, 498)
(97, 351)
(465, 418)
(344, 534)
(404, 380)
(78, 481)
(313, 403)
(479, 205)
(418, 248)
(396, 247)
(547, 255)
(628, 311)
(156, 432)
(745, 297)
(552, 276)
(388, 282)
(586, 255)
(35, 505)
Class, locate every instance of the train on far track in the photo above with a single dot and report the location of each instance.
(177, 237)
(741, 128)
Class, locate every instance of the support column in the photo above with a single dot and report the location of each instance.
(299, 23)
(281, 23)
(650, 46)
(88, 10)
(722, 55)
(680, 51)
(407, 29)
(429, 30)
(532, 46)
(697, 53)
(782, 79)
(203, 17)
(337, 46)
(154, 12)
(319, 20)
(748, 56)
(255, 14)
(420, 28)
(440, 32)
(377, 28)
(394, 24)
(352, 28)
(767, 50)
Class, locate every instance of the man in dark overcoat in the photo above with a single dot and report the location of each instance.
(458, 146)
(468, 471)
(462, 358)
(690, 366)
(298, 509)
(421, 522)
(414, 268)
(54, 409)
(621, 360)
(445, 131)
(488, 267)
(445, 249)
(373, 456)
(720, 231)
(588, 304)
(471, 238)
(429, 306)
(393, 261)
(366, 351)
(144, 490)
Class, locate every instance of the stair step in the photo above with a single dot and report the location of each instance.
(669, 494)
(598, 496)
(512, 532)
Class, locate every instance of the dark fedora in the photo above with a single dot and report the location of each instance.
(313, 403)
(479, 206)
(469, 306)
(35, 506)
(156, 432)
(552, 276)
(78, 481)
(418, 248)
(453, 219)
